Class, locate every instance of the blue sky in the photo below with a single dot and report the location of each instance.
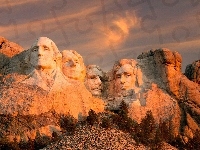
(104, 31)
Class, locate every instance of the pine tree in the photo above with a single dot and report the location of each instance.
(123, 109)
(147, 131)
(195, 142)
(68, 123)
(92, 117)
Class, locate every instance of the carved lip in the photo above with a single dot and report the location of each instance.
(123, 87)
(96, 89)
(41, 58)
(74, 69)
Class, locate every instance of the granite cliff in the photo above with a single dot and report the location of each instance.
(35, 93)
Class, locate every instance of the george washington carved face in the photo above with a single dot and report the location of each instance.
(43, 54)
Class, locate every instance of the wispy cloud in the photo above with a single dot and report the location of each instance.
(107, 29)
(10, 3)
(55, 24)
(119, 29)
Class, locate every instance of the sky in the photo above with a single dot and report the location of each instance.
(104, 31)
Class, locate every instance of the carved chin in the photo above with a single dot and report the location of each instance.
(96, 92)
(44, 67)
(72, 74)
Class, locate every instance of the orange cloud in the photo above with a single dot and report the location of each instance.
(33, 27)
(10, 4)
(119, 29)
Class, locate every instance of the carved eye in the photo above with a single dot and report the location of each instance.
(128, 75)
(34, 49)
(76, 61)
(93, 77)
(67, 63)
(118, 76)
(46, 48)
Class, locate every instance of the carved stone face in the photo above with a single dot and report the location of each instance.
(42, 54)
(72, 65)
(125, 78)
(93, 81)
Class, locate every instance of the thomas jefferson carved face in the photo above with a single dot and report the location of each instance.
(72, 65)
(125, 76)
(42, 54)
(93, 81)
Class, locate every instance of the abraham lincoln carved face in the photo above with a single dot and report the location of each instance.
(124, 75)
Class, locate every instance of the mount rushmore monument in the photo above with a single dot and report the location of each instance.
(45, 79)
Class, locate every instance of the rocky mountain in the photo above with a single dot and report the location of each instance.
(192, 71)
(163, 67)
(7, 51)
(35, 94)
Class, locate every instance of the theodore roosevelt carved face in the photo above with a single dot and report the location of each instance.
(93, 80)
(72, 65)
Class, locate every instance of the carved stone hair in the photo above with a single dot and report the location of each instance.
(120, 63)
(136, 69)
(90, 68)
(57, 54)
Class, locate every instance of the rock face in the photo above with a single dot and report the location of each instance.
(44, 72)
(162, 67)
(39, 86)
(134, 83)
(7, 51)
(41, 81)
(192, 71)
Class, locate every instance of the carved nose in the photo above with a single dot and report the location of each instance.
(122, 79)
(98, 81)
(40, 52)
(73, 63)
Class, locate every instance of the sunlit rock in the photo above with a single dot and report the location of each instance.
(192, 71)
(72, 65)
(126, 82)
(132, 84)
(163, 67)
(94, 80)
(7, 51)
(59, 92)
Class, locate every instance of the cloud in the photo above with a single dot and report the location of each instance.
(55, 25)
(119, 29)
(15, 3)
